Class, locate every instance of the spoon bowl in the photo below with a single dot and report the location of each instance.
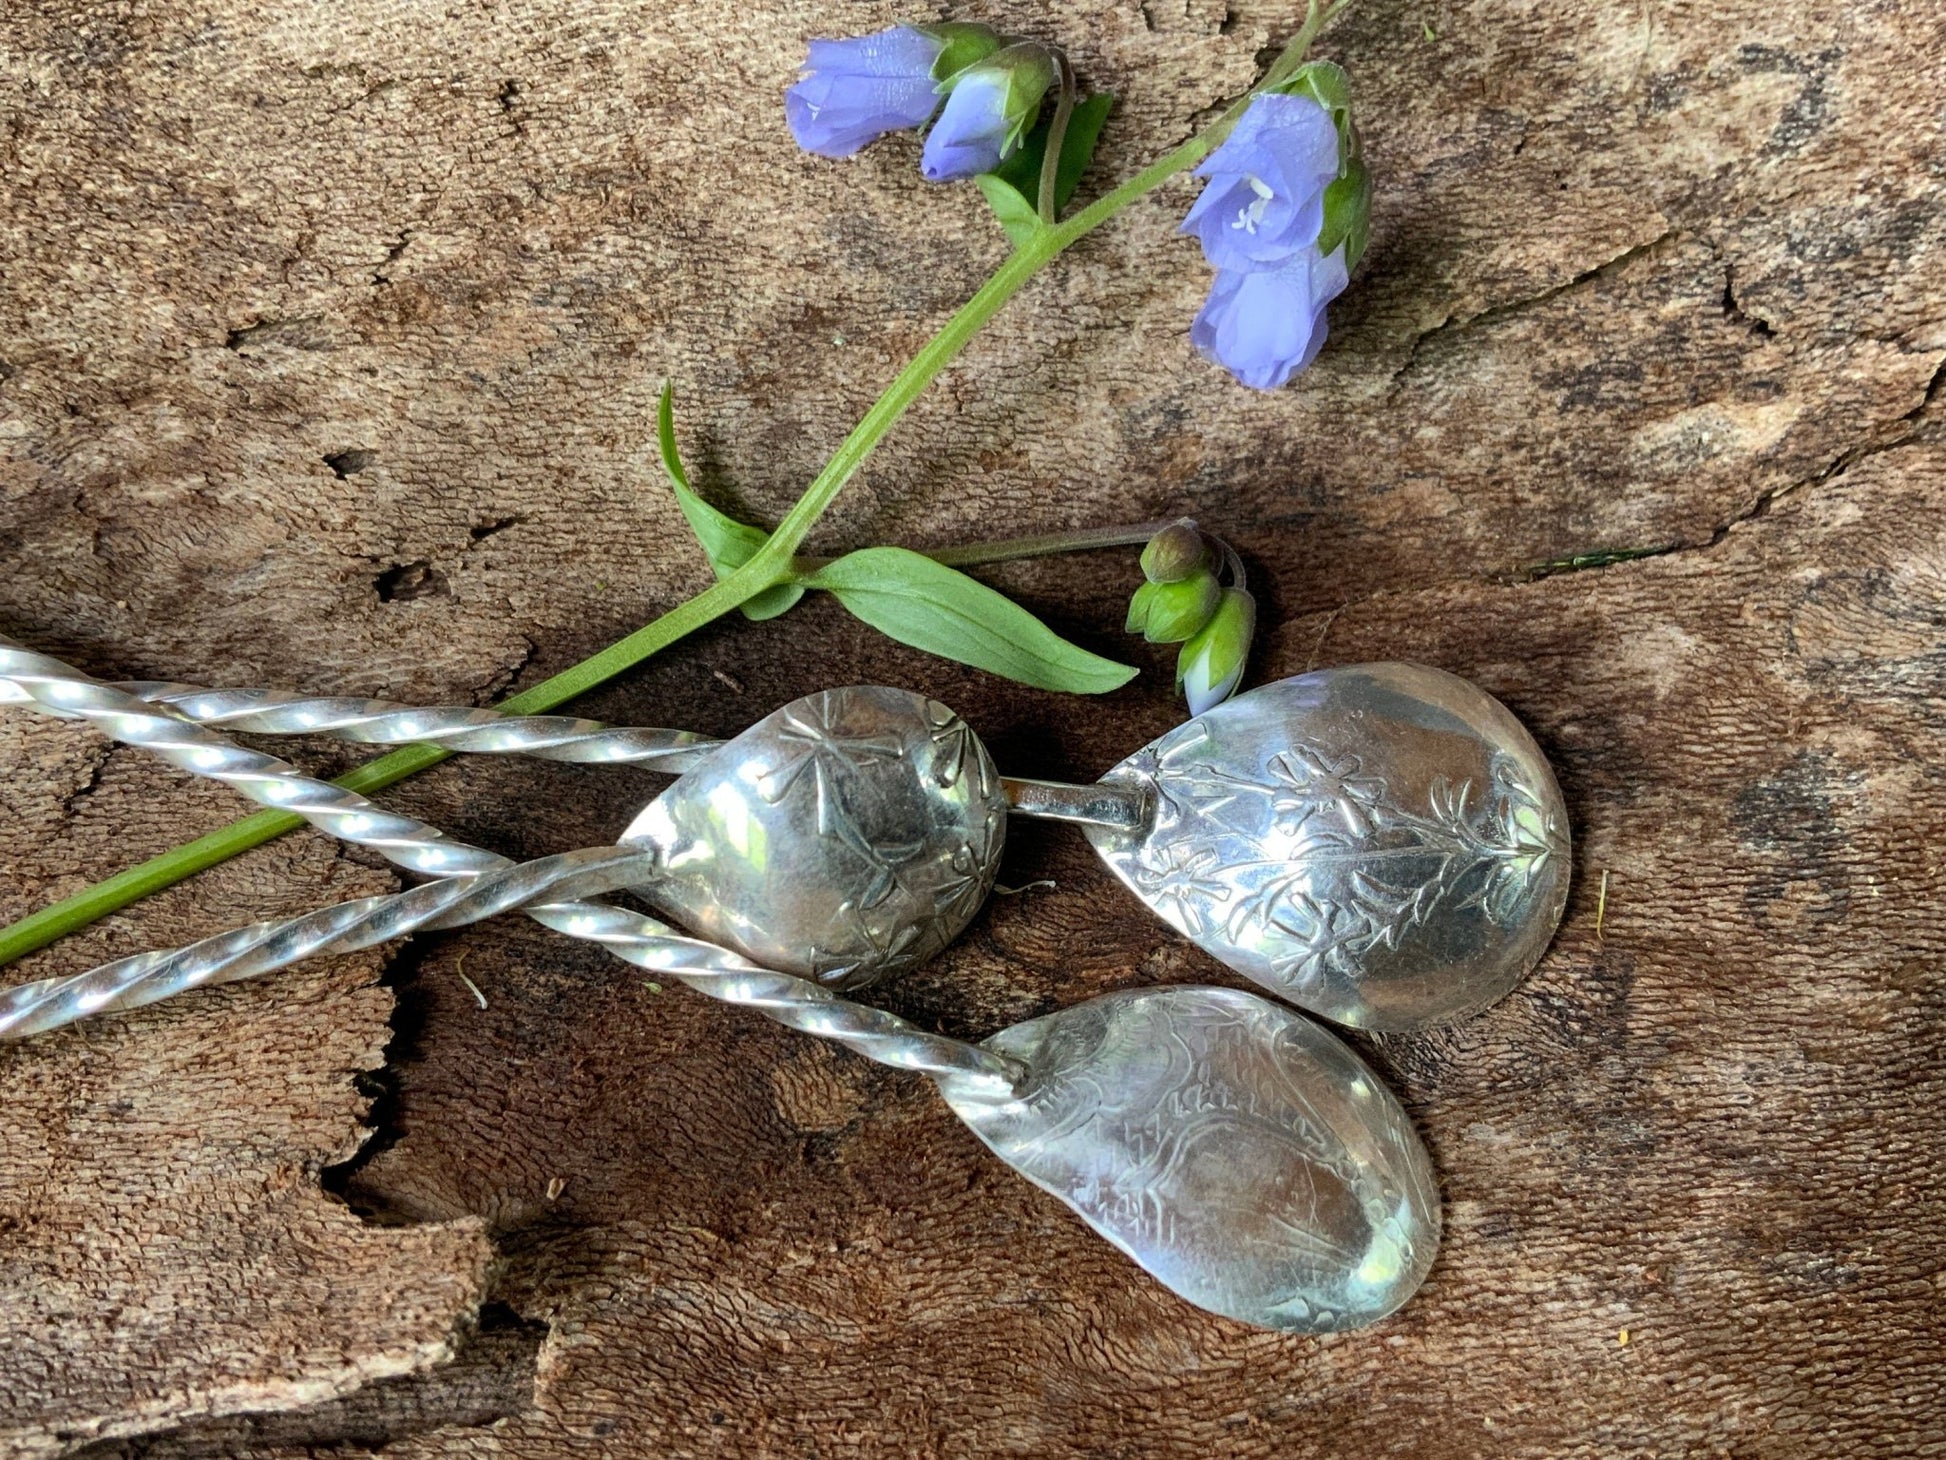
(1382, 844)
(850, 835)
(1234, 1149)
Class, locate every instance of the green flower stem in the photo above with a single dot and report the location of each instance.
(1057, 134)
(769, 565)
(1012, 549)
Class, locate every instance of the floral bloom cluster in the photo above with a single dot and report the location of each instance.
(1282, 219)
(857, 90)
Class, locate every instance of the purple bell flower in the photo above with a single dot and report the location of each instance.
(990, 108)
(1265, 325)
(970, 131)
(854, 91)
(1265, 198)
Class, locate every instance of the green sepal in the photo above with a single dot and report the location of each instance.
(1348, 213)
(1219, 650)
(1030, 72)
(937, 609)
(962, 43)
(1018, 218)
(1179, 610)
(727, 543)
(1326, 83)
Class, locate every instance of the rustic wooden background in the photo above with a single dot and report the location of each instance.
(329, 337)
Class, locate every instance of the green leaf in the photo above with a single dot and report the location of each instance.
(1016, 214)
(1022, 171)
(727, 543)
(930, 606)
(665, 435)
(772, 601)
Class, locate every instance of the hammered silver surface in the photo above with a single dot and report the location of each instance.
(1236, 1150)
(850, 835)
(1383, 844)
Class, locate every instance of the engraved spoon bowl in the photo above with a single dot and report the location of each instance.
(1234, 1149)
(1383, 845)
(849, 836)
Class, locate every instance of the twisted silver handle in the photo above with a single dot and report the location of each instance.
(796, 1002)
(241, 953)
(722, 975)
(716, 972)
(51, 685)
(385, 722)
(547, 737)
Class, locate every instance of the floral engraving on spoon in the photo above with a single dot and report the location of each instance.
(1232, 1147)
(1382, 844)
(1401, 863)
(847, 836)
(865, 760)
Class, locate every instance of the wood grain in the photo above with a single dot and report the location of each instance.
(329, 342)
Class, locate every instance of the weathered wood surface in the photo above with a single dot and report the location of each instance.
(328, 340)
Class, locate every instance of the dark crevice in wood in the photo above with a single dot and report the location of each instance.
(1453, 324)
(346, 464)
(381, 1086)
(1732, 309)
(392, 255)
(480, 531)
(403, 582)
(1887, 436)
(296, 334)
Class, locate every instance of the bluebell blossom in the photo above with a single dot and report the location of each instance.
(856, 90)
(1264, 202)
(990, 108)
(1265, 326)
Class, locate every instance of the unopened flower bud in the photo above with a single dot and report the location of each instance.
(1211, 664)
(1176, 552)
(1178, 610)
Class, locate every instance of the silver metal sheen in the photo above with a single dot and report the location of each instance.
(851, 835)
(1237, 1152)
(1381, 844)
(1233, 1148)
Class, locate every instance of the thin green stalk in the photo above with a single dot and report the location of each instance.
(1057, 135)
(1012, 549)
(769, 565)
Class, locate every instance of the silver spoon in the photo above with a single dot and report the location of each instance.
(1381, 844)
(1237, 1152)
